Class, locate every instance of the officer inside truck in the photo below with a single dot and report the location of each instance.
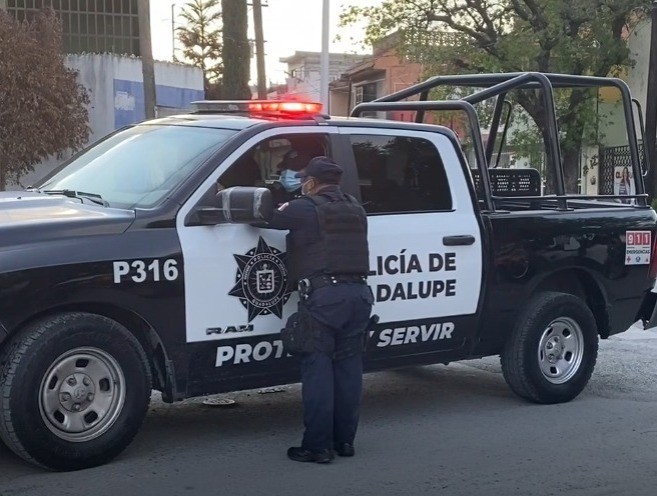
(302, 150)
(288, 185)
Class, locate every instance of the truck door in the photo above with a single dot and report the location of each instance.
(236, 294)
(425, 240)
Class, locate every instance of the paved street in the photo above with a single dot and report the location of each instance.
(454, 430)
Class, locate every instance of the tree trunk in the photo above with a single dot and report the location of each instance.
(570, 160)
(532, 102)
(3, 177)
(571, 163)
(236, 50)
(651, 109)
(147, 64)
(548, 169)
(260, 48)
(572, 123)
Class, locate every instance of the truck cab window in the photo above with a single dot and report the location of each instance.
(400, 174)
(273, 163)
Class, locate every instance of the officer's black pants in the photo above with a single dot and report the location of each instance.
(332, 376)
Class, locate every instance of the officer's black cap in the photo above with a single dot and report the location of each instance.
(323, 169)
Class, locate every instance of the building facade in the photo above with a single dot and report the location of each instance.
(381, 73)
(91, 26)
(303, 81)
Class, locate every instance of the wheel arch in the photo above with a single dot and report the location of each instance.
(583, 284)
(523, 363)
(161, 366)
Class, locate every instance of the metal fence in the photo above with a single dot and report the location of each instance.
(611, 158)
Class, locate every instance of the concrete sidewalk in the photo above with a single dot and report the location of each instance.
(636, 333)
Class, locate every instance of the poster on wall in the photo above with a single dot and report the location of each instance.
(624, 183)
(128, 102)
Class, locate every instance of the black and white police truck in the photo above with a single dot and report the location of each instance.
(135, 265)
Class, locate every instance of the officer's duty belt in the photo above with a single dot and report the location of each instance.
(306, 286)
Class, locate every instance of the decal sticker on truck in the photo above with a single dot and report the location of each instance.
(243, 353)
(637, 247)
(139, 271)
(261, 281)
(416, 288)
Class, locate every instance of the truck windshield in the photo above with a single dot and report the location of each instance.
(138, 167)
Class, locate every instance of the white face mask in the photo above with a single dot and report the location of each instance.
(289, 182)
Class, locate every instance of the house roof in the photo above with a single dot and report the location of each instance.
(368, 64)
(299, 56)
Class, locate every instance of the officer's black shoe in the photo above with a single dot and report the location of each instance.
(345, 449)
(304, 455)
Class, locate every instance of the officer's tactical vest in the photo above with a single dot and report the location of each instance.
(342, 246)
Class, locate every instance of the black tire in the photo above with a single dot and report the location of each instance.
(39, 435)
(544, 371)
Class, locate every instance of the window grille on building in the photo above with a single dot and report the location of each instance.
(94, 26)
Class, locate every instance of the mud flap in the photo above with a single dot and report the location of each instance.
(648, 310)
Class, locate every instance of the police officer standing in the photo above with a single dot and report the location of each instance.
(328, 258)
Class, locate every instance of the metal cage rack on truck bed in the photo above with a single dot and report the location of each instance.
(498, 85)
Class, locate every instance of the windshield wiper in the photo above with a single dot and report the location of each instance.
(93, 197)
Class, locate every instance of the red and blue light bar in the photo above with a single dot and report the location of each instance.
(259, 108)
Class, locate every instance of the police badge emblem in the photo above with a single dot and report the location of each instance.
(261, 281)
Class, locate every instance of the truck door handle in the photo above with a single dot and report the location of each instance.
(463, 239)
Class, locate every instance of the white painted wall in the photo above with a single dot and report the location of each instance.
(98, 72)
(306, 88)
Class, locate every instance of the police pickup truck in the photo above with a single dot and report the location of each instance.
(136, 265)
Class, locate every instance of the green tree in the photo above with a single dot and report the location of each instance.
(237, 52)
(43, 108)
(201, 40)
(582, 37)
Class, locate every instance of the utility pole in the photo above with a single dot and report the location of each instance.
(146, 51)
(260, 49)
(324, 60)
(173, 32)
(651, 107)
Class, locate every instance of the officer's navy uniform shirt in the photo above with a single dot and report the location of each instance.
(300, 216)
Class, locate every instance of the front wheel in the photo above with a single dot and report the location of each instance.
(551, 353)
(75, 390)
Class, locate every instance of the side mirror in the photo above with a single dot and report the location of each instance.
(238, 205)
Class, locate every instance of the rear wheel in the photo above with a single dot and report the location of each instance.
(75, 390)
(551, 354)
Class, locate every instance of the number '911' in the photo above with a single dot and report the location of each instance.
(141, 271)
